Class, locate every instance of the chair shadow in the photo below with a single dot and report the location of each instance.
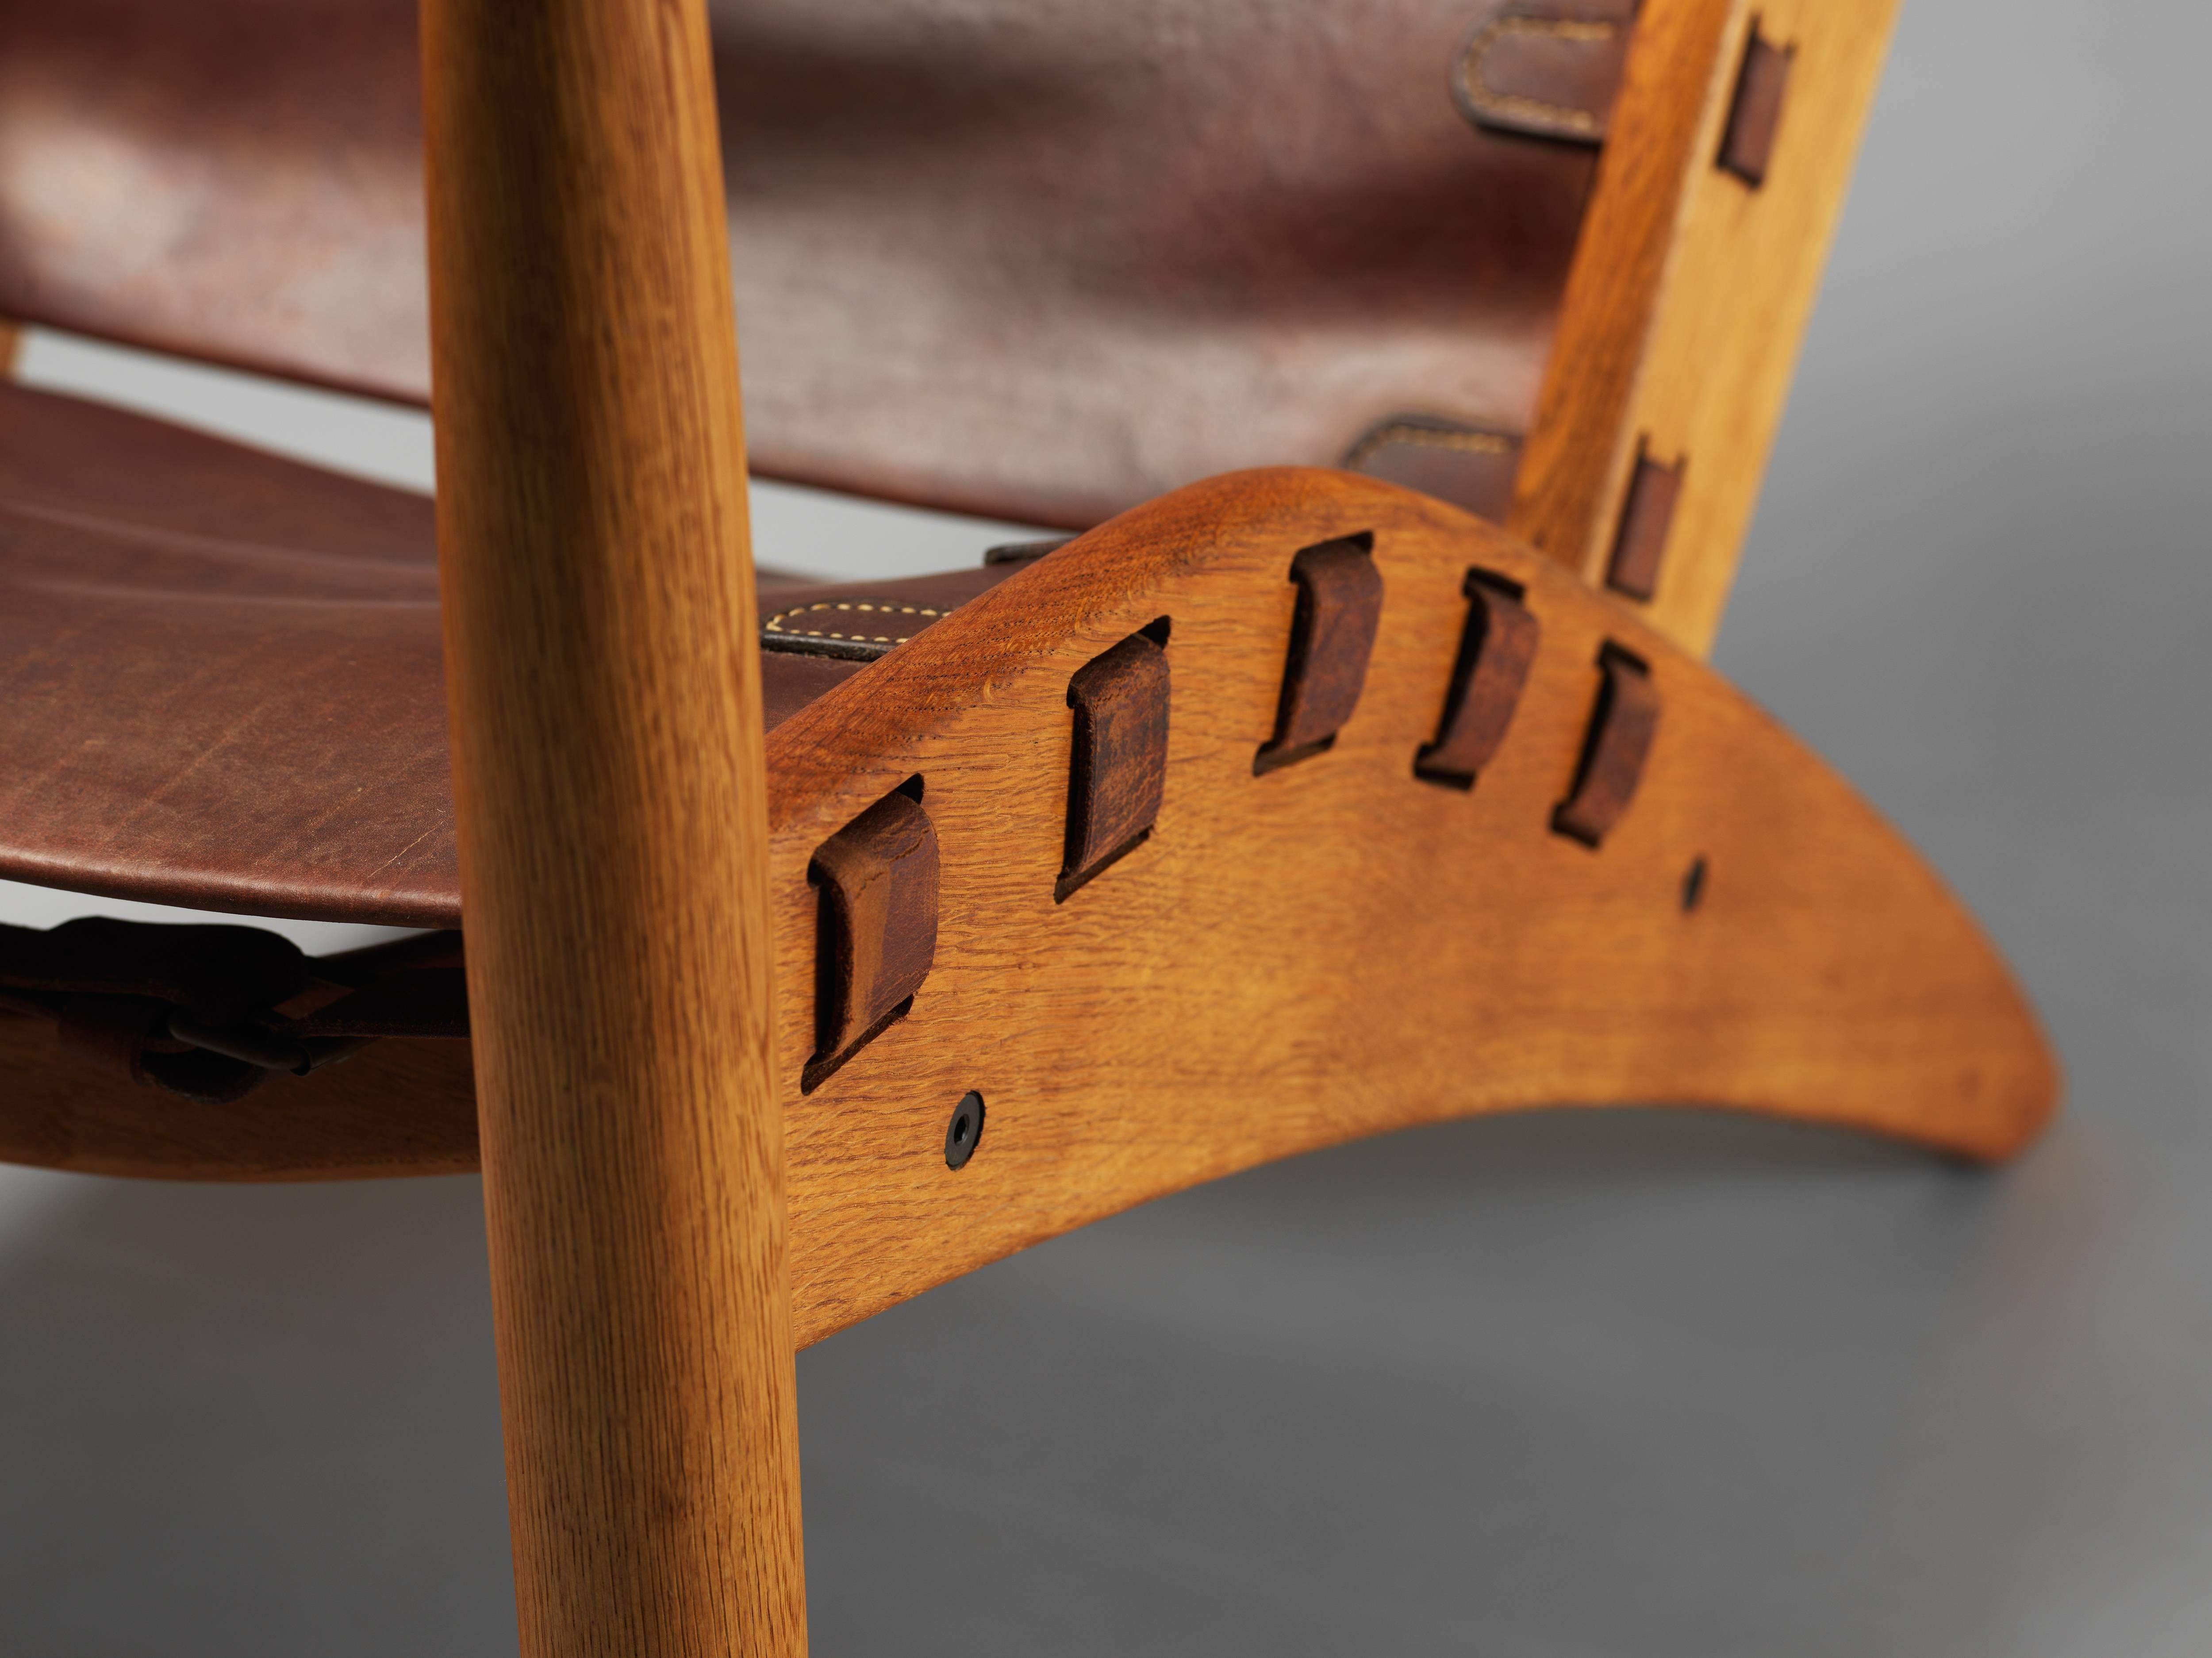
(1414, 1394)
(1566, 1381)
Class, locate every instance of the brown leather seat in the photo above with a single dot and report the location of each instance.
(1035, 257)
(1042, 260)
(224, 677)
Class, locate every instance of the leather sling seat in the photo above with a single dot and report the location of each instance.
(1038, 260)
(1035, 257)
(223, 675)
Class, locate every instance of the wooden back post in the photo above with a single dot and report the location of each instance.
(1692, 285)
(605, 698)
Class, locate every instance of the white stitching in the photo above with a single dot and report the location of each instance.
(1485, 100)
(1431, 437)
(777, 623)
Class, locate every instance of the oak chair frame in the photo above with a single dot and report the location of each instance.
(674, 1202)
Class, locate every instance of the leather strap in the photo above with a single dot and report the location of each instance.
(1546, 69)
(207, 1012)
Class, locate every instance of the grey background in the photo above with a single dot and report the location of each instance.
(1566, 1384)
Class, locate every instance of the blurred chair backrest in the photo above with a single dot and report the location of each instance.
(1039, 258)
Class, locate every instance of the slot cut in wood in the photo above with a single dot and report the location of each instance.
(1646, 515)
(1622, 723)
(1332, 635)
(1118, 760)
(1496, 649)
(877, 932)
(1747, 144)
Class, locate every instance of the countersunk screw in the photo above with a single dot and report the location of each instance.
(1693, 887)
(965, 1132)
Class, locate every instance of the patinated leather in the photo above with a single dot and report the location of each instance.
(223, 677)
(1039, 259)
(1547, 67)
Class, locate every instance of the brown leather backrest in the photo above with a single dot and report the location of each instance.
(1039, 258)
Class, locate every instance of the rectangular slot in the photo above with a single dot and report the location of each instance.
(877, 932)
(1118, 760)
(1622, 723)
(1646, 515)
(1339, 606)
(1497, 648)
(1748, 143)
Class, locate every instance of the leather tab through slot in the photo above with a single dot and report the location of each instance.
(1117, 767)
(1496, 652)
(1470, 466)
(1546, 71)
(878, 936)
(1646, 516)
(1747, 145)
(1332, 635)
(1622, 723)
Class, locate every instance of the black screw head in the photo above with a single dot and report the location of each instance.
(965, 1132)
(1693, 887)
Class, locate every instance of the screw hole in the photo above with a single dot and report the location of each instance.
(1693, 886)
(965, 1132)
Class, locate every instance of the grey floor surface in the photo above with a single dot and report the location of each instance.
(1606, 1383)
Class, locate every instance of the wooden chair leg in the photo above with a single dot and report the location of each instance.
(605, 697)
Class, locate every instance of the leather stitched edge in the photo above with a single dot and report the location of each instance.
(1483, 102)
(777, 623)
(1428, 437)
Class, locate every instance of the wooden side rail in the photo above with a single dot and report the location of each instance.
(1546, 857)
(1725, 166)
(604, 688)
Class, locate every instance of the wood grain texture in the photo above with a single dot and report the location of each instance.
(605, 691)
(1691, 289)
(398, 1108)
(1746, 269)
(1337, 948)
(1332, 950)
(1666, 117)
